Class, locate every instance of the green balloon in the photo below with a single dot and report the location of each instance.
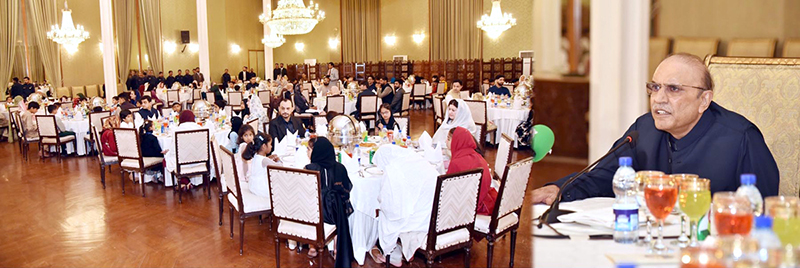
(542, 141)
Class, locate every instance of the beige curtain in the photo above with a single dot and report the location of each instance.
(9, 20)
(151, 24)
(361, 41)
(454, 34)
(41, 15)
(124, 24)
(36, 67)
(18, 66)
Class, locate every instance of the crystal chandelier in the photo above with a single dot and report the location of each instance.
(497, 22)
(68, 35)
(274, 39)
(293, 17)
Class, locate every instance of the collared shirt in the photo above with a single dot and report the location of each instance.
(721, 146)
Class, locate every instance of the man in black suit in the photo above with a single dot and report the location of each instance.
(284, 72)
(179, 77)
(286, 123)
(187, 78)
(244, 75)
(160, 77)
(275, 72)
(169, 80)
(16, 89)
(27, 87)
(251, 73)
(226, 77)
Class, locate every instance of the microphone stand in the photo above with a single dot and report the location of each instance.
(551, 214)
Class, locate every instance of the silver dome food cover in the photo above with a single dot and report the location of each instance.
(343, 130)
(202, 109)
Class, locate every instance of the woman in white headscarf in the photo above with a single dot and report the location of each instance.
(457, 115)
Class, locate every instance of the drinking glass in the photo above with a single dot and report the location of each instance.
(683, 239)
(785, 212)
(695, 200)
(660, 194)
(641, 179)
(732, 214)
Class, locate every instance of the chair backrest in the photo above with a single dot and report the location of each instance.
(512, 189)
(455, 203)
(126, 149)
(478, 110)
(695, 46)
(78, 89)
(266, 127)
(763, 89)
(659, 50)
(791, 48)
(47, 126)
(320, 121)
(234, 98)
(103, 121)
(94, 118)
(307, 86)
(503, 156)
(406, 102)
(166, 111)
(63, 91)
(191, 147)
(254, 123)
(484, 89)
(752, 47)
(335, 104)
(306, 93)
(197, 94)
(19, 126)
(173, 96)
(464, 94)
(441, 88)
(438, 111)
(219, 171)
(230, 173)
(369, 104)
(91, 91)
(418, 90)
(13, 109)
(510, 88)
(211, 97)
(295, 195)
(428, 90)
(404, 123)
(264, 96)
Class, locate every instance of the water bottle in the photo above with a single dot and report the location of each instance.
(297, 142)
(748, 189)
(767, 240)
(626, 209)
(357, 152)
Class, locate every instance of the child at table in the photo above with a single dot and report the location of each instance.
(151, 148)
(258, 153)
(127, 119)
(246, 135)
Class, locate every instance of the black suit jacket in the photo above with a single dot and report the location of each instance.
(275, 73)
(277, 127)
(283, 71)
(225, 78)
(397, 101)
(244, 76)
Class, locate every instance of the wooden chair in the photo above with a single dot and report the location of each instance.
(254, 123)
(752, 47)
(503, 156)
(94, 121)
(264, 96)
(484, 89)
(406, 105)
(791, 48)
(320, 121)
(507, 209)
(78, 90)
(165, 111)
(369, 108)
(695, 46)
(191, 157)
(129, 153)
(418, 93)
(173, 96)
(335, 104)
(48, 134)
(405, 124)
(211, 98)
(455, 205)
(240, 198)
(24, 142)
(438, 111)
(235, 100)
(63, 91)
(306, 93)
(296, 203)
(197, 94)
(464, 94)
(92, 91)
(266, 127)
(104, 160)
(220, 174)
(478, 110)
(659, 50)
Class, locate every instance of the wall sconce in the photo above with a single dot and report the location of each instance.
(333, 43)
(299, 46)
(390, 40)
(170, 47)
(418, 37)
(194, 47)
(235, 49)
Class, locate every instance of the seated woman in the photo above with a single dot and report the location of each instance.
(246, 135)
(107, 138)
(233, 135)
(458, 115)
(258, 153)
(336, 206)
(465, 157)
(386, 120)
(151, 148)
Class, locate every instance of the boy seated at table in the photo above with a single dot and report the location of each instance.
(151, 148)
(127, 119)
(62, 132)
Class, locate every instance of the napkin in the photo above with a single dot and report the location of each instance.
(433, 155)
(284, 146)
(603, 217)
(425, 140)
(322, 130)
(363, 127)
(350, 163)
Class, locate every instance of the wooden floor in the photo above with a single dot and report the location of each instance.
(58, 214)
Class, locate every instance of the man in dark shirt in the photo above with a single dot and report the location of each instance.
(397, 99)
(498, 88)
(387, 92)
(198, 76)
(226, 77)
(133, 81)
(160, 78)
(283, 72)
(169, 80)
(27, 87)
(125, 101)
(252, 84)
(286, 123)
(147, 110)
(16, 88)
(187, 78)
(276, 72)
(685, 132)
(365, 91)
(371, 83)
(251, 73)
(244, 75)
(179, 77)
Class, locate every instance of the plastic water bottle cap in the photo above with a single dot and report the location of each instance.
(763, 222)
(748, 179)
(625, 161)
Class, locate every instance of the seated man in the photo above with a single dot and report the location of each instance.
(397, 99)
(365, 91)
(498, 88)
(252, 84)
(125, 101)
(685, 132)
(147, 111)
(286, 123)
(325, 88)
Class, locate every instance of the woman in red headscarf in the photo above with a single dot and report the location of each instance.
(186, 122)
(465, 157)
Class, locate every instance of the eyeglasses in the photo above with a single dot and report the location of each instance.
(672, 89)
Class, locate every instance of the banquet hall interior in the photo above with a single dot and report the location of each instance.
(191, 133)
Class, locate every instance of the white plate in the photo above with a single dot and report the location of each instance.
(374, 171)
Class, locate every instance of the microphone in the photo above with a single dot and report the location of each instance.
(552, 213)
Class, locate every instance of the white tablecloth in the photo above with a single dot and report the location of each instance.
(81, 129)
(221, 135)
(506, 120)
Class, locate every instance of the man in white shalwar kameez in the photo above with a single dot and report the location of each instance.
(406, 198)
